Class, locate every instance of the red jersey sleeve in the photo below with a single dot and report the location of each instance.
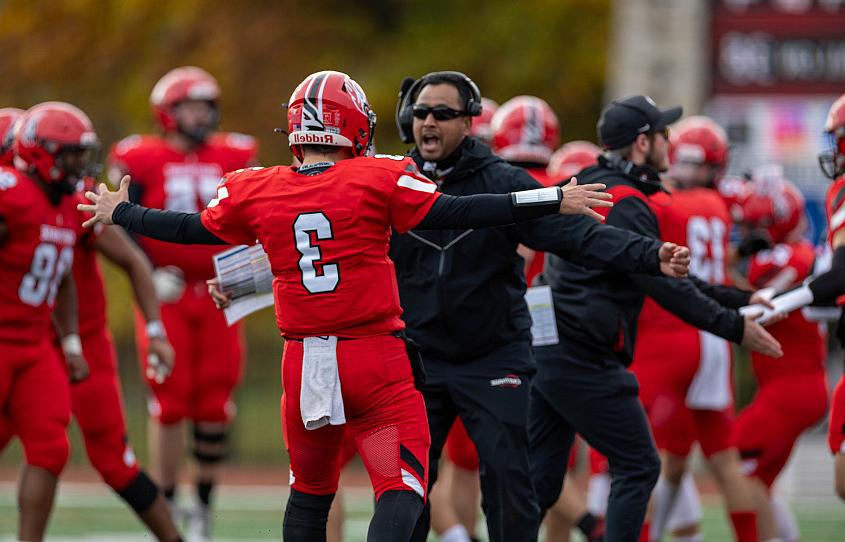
(782, 266)
(836, 207)
(411, 198)
(223, 216)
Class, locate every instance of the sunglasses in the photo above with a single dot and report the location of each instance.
(440, 112)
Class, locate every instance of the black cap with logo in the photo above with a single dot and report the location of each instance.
(623, 120)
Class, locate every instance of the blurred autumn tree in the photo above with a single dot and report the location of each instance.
(106, 55)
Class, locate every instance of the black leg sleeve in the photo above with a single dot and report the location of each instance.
(395, 516)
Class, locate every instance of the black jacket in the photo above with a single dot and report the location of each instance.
(462, 290)
(597, 311)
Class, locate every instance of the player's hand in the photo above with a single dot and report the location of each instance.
(220, 298)
(160, 358)
(77, 367)
(764, 297)
(757, 339)
(104, 201)
(580, 199)
(674, 260)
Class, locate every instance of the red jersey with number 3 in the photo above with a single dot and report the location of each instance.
(170, 179)
(326, 236)
(35, 257)
(785, 266)
(696, 218)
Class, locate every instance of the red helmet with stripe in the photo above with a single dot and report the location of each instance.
(832, 160)
(8, 116)
(187, 83)
(773, 203)
(481, 123)
(525, 129)
(699, 140)
(572, 158)
(330, 108)
(44, 136)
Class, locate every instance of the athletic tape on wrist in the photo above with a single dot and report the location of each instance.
(72, 345)
(537, 196)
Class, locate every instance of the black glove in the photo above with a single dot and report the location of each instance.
(753, 243)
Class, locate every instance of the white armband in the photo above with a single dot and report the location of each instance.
(537, 196)
(72, 345)
(784, 303)
(155, 330)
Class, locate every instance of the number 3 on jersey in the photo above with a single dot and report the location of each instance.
(706, 238)
(315, 283)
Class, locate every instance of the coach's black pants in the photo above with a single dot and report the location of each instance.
(490, 394)
(598, 400)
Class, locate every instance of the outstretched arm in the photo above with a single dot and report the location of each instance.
(114, 208)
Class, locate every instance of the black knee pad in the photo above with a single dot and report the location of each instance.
(395, 517)
(140, 494)
(306, 516)
(217, 439)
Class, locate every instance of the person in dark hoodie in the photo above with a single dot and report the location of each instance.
(463, 290)
(583, 383)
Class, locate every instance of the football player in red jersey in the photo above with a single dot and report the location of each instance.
(8, 116)
(327, 249)
(691, 399)
(830, 286)
(525, 133)
(179, 171)
(39, 227)
(792, 391)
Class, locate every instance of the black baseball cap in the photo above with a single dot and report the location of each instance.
(623, 120)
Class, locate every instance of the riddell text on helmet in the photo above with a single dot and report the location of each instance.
(300, 138)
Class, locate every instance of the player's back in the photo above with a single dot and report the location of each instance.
(326, 234)
(35, 257)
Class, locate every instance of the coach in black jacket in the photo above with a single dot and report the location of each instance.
(462, 291)
(582, 384)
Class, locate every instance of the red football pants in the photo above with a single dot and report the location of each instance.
(836, 428)
(35, 400)
(385, 414)
(98, 408)
(767, 429)
(208, 363)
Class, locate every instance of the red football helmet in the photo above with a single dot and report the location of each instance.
(8, 116)
(481, 123)
(330, 108)
(832, 161)
(47, 133)
(734, 191)
(699, 140)
(525, 129)
(773, 203)
(181, 85)
(572, 158)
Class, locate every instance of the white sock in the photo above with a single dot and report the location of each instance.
(663, 501)
(697, 537)
(785, 519)
(773, 540)
(598, 490)
(687, 511)
(455, 533)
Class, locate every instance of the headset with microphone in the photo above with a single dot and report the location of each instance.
(410, 88)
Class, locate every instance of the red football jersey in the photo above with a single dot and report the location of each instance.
(326, 236)
(35, 257)
(90, 287)
(534, 264)
(696, 218)
(835, 207)
(785, 266)
(173, 180)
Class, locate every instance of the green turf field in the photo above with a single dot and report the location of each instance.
(90, 512)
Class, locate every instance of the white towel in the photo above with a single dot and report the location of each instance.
(711, 386)
(320, 399)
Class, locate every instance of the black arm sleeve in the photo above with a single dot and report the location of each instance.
(828, 286)
(684, 300)
(727, 296)
(481, 211)
(184, 228)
